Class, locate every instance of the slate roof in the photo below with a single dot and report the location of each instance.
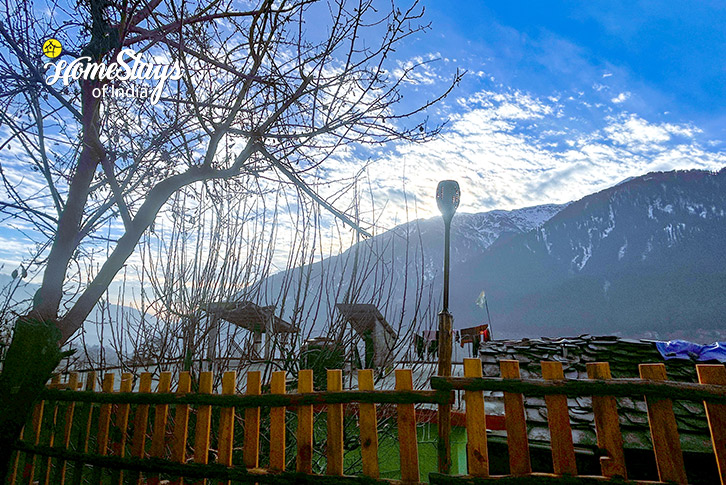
(624, 355)
(250, 316)
(363, 317)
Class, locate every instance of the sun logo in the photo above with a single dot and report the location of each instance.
(52, 48)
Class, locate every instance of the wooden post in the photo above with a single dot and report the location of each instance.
(305, 425)
(122, 424)
(516, 424)
(716, 414)
(46, 464)
(476, 428)
(161, 411)
(181, 424)
(85, 413)
(444, 426)
(35, 426)
(251, 450)
(16, 462)
(104, 424)
(277, 424)
(104, 417)
(335, 426)
(607, 425)
(226, 420)
(663, 430)
(204, 423)
(558, 417)
(407, 438)
(368, 427)
(141, 419)
(60, 474)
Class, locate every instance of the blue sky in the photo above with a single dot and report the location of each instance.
(561, 99)
(670, 52)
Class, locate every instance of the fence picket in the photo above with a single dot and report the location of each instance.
(158, 435)
(368, 427)
(277, 424)
(335, 426)
(304, 462)
(204, 423)
(181, 423)
(558, 418)
(104, 425)
(35, 426)
(104, 416)
(16, 462)
(226, 421)
(46, 464)
(251, 448)
(407, 439)
(515, 422)
(85, 416)
(122, 424)
(476, 429)
(141, 419)
(663, 429)
(60, 472)
(716, 414)
(607, 425)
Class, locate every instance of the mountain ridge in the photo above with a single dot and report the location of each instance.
(638, 259)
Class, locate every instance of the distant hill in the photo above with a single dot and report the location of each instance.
(400, 270)
(644, 258)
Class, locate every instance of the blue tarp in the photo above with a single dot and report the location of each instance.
(685, 350)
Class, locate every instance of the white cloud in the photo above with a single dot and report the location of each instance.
(511, 149)
(632, 130)
(620, 98)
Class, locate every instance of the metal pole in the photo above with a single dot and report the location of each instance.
(444, 427)
(445, 326)
(447, 241)
(447, 199)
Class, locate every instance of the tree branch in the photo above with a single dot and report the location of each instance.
(37, 76)
(146, 214)
(295, 179)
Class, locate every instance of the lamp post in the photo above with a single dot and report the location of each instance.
(447, 199)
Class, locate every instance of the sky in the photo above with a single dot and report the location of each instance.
(560, 99)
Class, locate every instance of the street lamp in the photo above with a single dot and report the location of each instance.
(447, 199)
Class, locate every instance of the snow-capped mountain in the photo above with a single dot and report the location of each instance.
(643, 258)
(399, 270)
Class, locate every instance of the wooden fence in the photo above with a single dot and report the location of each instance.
(94, 437)
(653, 386)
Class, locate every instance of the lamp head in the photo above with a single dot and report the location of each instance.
(447, 198)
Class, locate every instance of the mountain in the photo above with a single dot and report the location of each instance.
(400, 270)
(644, 258)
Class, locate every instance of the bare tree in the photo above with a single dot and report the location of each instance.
(261, 95)
(205, 258)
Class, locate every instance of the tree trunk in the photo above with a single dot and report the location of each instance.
(23, 379)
